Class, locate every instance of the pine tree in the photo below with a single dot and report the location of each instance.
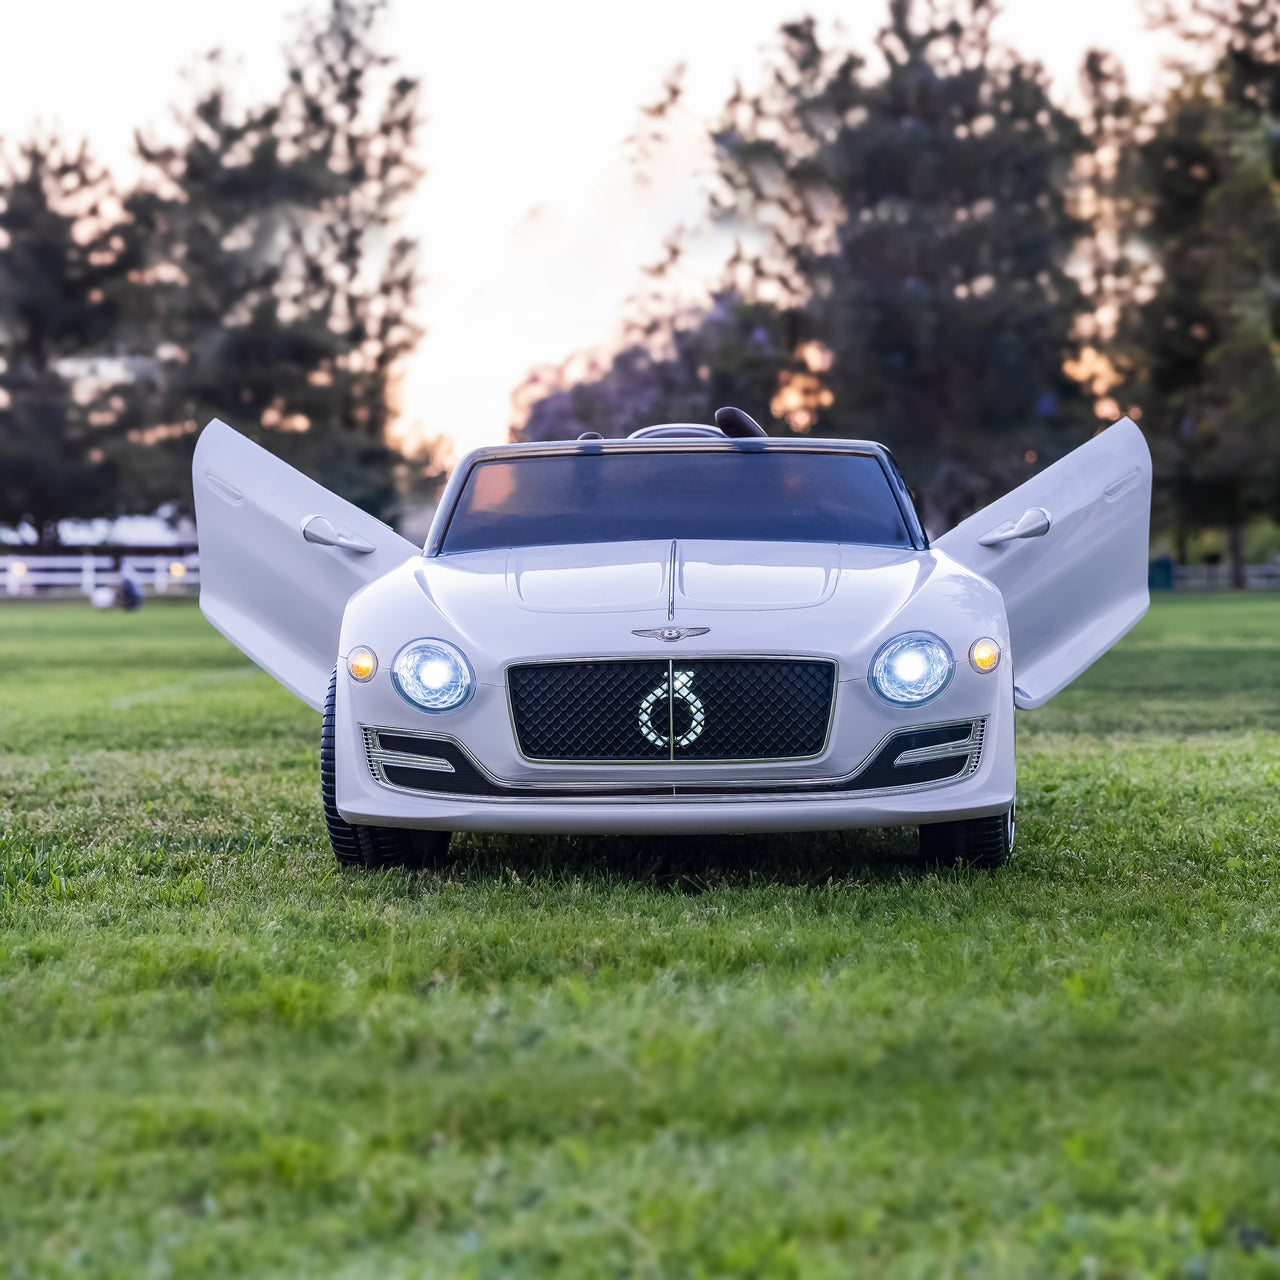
(906, 234)
(734, 353)
(273, 288)
(1203, 351)
(60, 252)
(923, 217)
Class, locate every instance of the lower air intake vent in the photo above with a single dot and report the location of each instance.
(438, 766)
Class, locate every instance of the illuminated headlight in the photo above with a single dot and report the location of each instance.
(984, 655)
(912, 668)
(432, 675)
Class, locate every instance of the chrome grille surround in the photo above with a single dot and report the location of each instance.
(745, 708)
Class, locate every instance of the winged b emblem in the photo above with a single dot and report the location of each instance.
(672, 634)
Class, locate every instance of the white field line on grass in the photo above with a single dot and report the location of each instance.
(189, 685)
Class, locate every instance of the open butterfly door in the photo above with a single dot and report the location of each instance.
(1069, 552)
(279, 558)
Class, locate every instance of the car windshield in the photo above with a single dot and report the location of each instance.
(765, 496)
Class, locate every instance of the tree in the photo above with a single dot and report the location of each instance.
(272, 288)
(735, 353)
(924, 216)
(907, 235)
(60, 252)
(1201, 351)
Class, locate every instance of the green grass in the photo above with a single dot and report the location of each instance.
(220, 1055)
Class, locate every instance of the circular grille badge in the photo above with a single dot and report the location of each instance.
(679, 690)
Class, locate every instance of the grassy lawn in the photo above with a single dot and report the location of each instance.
(221, 1055)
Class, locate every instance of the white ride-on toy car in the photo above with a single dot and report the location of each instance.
(696, 629)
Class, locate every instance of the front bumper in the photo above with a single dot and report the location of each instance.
(988, 789)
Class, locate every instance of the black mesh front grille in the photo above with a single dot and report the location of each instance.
(755, 709)
(696, 709)
(589, 710)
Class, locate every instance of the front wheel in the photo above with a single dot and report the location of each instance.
(984, 843)
(371, 847)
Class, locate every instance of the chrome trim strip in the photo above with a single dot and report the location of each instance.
(382, 780)
(792, 797)
(377, 757)
(671, 706)
(671, 586)
(690, 657)
(435, 763)
(943, 751)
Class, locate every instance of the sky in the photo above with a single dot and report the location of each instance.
(534, 229)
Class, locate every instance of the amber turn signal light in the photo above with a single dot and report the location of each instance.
(362, 662)
(984, 654)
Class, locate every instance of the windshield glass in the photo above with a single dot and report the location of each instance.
(765, 496)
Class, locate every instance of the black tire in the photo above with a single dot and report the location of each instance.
(983, 843)
(373, 848)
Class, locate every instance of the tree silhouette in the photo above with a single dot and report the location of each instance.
(273, 288)
(60, 254)
(908, 230)
(1201, 351)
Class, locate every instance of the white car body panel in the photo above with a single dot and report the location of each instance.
(469, 601)
(988, 791)
(296, 608)
(1072, 592)
(861, 722)
(276, 597)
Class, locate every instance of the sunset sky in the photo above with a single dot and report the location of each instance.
(534, 228)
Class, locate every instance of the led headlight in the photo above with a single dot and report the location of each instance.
(911, 668)
(432, 675)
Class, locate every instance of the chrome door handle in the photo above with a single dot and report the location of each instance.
(1035, 522)
(320, 530)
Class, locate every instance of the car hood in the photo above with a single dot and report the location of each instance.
(743, 598)
(625, 577)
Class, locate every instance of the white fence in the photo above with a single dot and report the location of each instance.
(177, 572)
(27, 574)
(1217, 577)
